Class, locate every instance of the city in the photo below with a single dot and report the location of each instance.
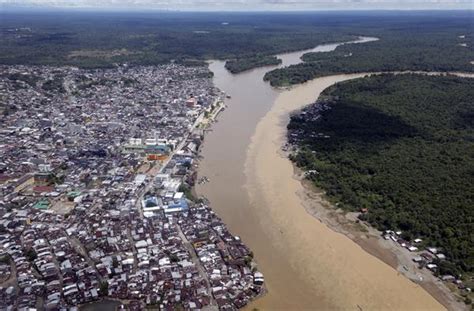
(96, 178)
(236, 155)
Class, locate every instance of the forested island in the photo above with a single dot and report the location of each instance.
(399, 148)
(401, 50)
(238, 65)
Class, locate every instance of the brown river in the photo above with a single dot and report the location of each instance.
(306, 265)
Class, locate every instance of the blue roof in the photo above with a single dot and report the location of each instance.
(181, 204)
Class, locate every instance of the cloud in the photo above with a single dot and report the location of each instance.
(247, 4)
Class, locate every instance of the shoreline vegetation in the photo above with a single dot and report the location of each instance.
(68, 47)
(348, 155)
(317, 205)
(441, 50)
(323, 258)
(82, 39)
(238, 65)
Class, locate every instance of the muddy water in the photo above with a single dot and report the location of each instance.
(306, 265)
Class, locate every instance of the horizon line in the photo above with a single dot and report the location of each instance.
(148, 9)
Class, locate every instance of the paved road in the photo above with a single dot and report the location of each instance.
(150, 182)
(198, 264)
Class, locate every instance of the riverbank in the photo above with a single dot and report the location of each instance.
(306, 264)
(371, 241)
(368, 238)
(325, 260)
(392, 253)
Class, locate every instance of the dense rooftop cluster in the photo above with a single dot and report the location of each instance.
(94, 165)
(79, 121)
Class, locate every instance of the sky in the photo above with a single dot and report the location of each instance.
(244, 5)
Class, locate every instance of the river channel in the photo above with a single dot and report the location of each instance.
(306, 265)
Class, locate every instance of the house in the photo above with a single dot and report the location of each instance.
(139, 179)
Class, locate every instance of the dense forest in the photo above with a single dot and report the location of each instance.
(400, 50)
(401, 146)
(238, 65)
(102, 39)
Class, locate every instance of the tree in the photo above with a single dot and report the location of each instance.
(104, 288)
(31, 254)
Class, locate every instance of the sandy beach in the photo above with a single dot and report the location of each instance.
(372, 242)
(331, 265)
